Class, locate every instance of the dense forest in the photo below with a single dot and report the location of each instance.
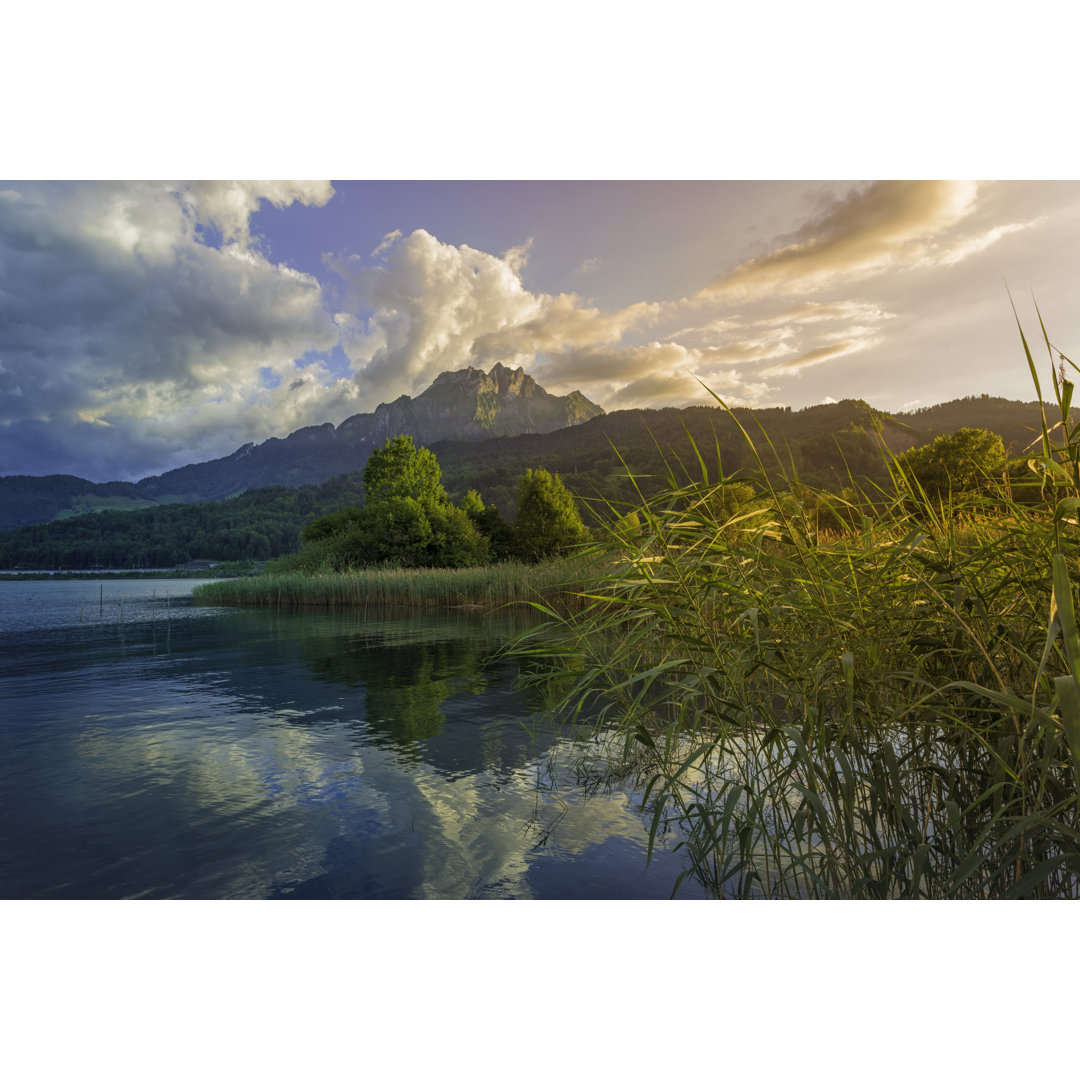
(260, 524)
(823, 446)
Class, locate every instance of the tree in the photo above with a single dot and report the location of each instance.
(402, 470)
(548, 523)
(407, 519)
(967, 462)
(328, 525)
(490, 524)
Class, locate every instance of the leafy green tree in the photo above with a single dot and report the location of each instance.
(490, 524)
(402, 470)
(968, 461)
(394, 530)
(332, 524)
(456, 539)
(548, 523)
(472, 504)
(407, 519)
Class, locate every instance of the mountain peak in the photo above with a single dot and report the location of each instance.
(459, 406)
(471, 404)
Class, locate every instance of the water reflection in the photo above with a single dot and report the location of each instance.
(268, 754)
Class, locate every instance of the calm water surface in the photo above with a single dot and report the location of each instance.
(153, 748)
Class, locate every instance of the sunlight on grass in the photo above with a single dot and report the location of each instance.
(869, 695)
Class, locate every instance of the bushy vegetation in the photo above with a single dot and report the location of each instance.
(968, 461)
(870, 694)
(407, 520)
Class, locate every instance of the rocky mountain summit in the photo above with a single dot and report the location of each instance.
(469, 405)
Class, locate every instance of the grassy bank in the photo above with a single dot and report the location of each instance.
(488, 587)
(880, 701)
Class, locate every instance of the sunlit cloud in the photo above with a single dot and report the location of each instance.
(655, 373)
(821, 354)
(436, 307)
(387, 242)
(874, 228)
(973, 245)
(817, 312)
(683, 387)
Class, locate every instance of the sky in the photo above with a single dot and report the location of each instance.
(147, 325)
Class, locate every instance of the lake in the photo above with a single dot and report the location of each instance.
(154, 748)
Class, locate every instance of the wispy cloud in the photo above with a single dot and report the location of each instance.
(387, 242)
(820, 355)
(874, 228)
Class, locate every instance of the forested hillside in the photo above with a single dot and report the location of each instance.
(259, 524)
(1017, 422)
(820, 445)
(823, 446)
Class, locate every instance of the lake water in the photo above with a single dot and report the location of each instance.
(152, 748)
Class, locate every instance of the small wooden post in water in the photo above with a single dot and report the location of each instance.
(101, 602)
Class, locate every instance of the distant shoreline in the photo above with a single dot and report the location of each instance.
(94, 575)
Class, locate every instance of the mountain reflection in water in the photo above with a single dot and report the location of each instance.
(225, 753)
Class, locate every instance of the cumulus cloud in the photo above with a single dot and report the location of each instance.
(228, 206)
(130, 342)
(436, 307)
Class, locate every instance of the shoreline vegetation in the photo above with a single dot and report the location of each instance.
(874, 695)
(120, 575)
(485, 588)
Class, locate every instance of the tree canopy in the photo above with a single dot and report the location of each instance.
(548, 523)
(968, 461)
(407, 518)
(402, 470)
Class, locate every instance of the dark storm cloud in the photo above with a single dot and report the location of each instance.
(128, 344)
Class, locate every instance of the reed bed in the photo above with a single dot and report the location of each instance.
(486, 588)
(879, 702)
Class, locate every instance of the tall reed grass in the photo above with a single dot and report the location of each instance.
(872, 696)
(488, 587)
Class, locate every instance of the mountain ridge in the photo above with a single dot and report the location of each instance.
(466, 405)
(311, 455)
(605, 462)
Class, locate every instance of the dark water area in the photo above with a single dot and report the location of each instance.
(153, 748)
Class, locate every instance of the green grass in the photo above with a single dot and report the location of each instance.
(488, 587)
(874, 696)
